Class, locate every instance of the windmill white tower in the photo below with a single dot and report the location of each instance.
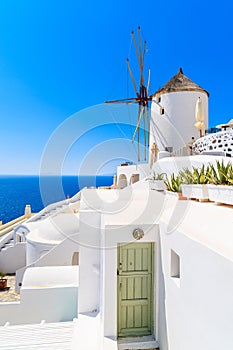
(173, 113)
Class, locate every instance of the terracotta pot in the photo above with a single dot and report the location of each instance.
(181, 197)
(3, 283)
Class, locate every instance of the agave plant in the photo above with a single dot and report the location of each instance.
(196, 176)
(156, 176)
(224, 173)
(174, 183)
(230, 176)
(221, 174)
(201, 176)
(186, 176)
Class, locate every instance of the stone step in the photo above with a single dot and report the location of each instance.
(43, 336)
(7, 245)
(138, 343)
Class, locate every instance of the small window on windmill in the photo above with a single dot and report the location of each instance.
(158, 99)
(161, 110)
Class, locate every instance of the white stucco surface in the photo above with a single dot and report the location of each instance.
(50, 276)
(46, 234)
(47, 293)
(111, 236)
(142, 169)
(42, 336)
(175, 164)
(211, 224)
(201, 303)
(175, 127)
(218, 142)
(53, 229)
(13, 258)
(191, 229)
(196, 301)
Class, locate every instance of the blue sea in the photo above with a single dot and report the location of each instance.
(17, 191)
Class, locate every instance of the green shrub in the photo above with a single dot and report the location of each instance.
(174, 183)
(156, 176)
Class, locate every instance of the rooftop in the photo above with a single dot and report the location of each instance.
(179, 83)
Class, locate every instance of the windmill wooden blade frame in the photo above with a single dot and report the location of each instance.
(142, 95)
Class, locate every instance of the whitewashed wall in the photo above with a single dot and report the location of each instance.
(198, 307)
(89, 261)
(175, 164)
(141, 169)
(176, 127)
(13, 258)
(59, 255)
(47, 233)
(221, 141)
(112, 235)
(48, 293)
(37, 249)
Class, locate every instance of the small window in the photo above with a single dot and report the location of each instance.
(75, 258)
(161, 110)
(175, 266)
(158, 99)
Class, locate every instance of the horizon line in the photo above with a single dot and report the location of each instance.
(107, 174)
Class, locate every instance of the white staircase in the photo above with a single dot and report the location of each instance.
(55, 208)
(43, 336)
(8, 244)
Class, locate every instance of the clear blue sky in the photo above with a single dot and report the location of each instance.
(58, 57)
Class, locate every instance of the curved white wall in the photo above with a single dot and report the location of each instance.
(48, 233)
(221, 141)
(48, 293)
(13, 258)
(175, 127)
(35, 250)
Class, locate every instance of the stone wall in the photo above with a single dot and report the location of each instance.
(218, 142)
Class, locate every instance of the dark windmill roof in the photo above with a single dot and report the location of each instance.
(179, 83)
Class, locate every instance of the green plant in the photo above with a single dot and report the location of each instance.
(156, 176)
(174, 183)
(2, 275)
(225, 172)
(186, 176)
(221, 174)
(229, 175)
(200, 175)
(213, 176)
(196, 176)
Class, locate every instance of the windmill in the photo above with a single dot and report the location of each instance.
(142, 97)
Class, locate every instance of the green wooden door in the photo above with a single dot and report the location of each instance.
(135, 267)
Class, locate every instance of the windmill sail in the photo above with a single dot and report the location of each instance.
(142, 97)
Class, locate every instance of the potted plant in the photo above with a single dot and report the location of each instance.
(3, 281)
(156, 181)
(221, 183)
(194, 183)
(174, 186)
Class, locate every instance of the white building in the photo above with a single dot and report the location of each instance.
(173, 112)
(153, 271)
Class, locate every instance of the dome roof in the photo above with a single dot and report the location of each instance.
(53, 230)
(179, 83)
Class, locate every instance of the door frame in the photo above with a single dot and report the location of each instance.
(153, 292)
